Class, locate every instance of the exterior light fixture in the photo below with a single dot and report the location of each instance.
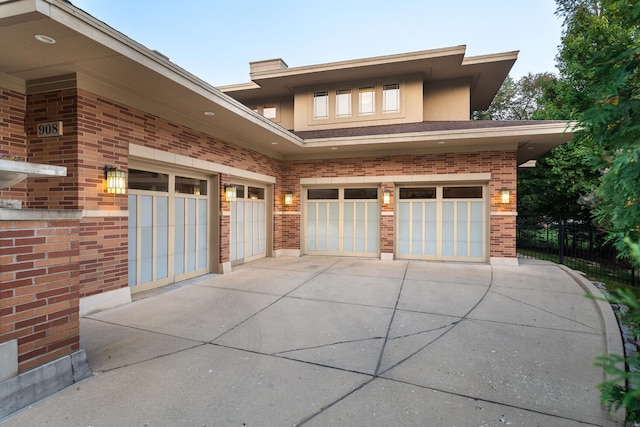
(116, 182)
(504, 196)
(288, 199)
(230, 193)
(386, 197)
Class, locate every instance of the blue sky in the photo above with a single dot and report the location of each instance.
(215, 39)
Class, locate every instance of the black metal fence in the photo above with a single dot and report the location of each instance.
(577, 245)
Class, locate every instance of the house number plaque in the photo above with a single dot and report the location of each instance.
(49, 129)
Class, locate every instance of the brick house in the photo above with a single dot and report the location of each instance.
(374, 158)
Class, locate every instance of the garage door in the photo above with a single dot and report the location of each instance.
(248, 224)
(342, 221)
(168, 228)
(442, 223)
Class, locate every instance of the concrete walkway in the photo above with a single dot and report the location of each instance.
(320, 341)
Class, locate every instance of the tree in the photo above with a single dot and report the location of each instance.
(518, 100)
(599, 63)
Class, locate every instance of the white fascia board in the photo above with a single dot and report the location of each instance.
(458, 134)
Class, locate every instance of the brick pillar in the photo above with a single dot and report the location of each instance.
(225, 224)
(387, 223)
(39, 289)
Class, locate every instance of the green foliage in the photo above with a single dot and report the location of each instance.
(622, 387)
(600, 59)
(518, 100)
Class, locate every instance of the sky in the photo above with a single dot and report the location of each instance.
(216, 39)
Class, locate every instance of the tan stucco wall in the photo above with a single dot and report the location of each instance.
(410, 100)
(447, 100)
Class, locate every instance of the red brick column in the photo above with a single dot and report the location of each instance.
(387, 221)
(39, 289)
(225, 222)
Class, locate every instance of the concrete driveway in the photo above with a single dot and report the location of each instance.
(319, 341)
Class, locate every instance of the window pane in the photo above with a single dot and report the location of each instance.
(366, 100)
(239, 191)
(321, 105)
(343, 103)
(322, 194)
(150, 181)
(191, 186)
(462, 192)
(361, 193)
(269, 111)
(418, 193)
(256, 193)
(391, 98)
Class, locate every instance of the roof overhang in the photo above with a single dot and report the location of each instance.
(485, 73)
(112, 65)
(531, 141)
(109, 64)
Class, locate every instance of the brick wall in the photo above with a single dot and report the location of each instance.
(39, 289)
(12, 136)
(501, 165)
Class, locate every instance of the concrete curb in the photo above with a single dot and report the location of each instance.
(614, 341)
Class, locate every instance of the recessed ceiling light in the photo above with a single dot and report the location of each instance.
(209, 113)
(274, 143)
(334, 148)
(44, 39)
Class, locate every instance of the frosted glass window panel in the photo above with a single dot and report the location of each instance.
(179, 236)
(162, 237)
(343, 103)
(391, 98)
(348, 227)
(311, 225)
(404, 232)
(263, 239)
(233, 238)
(240, 230)
(360, 227)
(477, 221)
(321, 105)
(322, 226)
(203, 214)
(372, 227)
(133, 239)
(417, 220)
(250, 230)
(366, 101)
(146, 239)
(334, 227)
(448, 226)
(461, 225)
(430, 229)
(191, 235)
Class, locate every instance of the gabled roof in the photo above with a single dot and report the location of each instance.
(273, 78)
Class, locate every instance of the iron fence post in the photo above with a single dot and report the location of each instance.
(561, 242)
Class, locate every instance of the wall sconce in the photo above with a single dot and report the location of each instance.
(386, 197)
(116, 183)
(230, 193)
(504, 196)
(288, 199)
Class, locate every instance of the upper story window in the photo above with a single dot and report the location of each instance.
(321, 105)
(366, 100)
(391, 98)
(270, 111)
(343, 103)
